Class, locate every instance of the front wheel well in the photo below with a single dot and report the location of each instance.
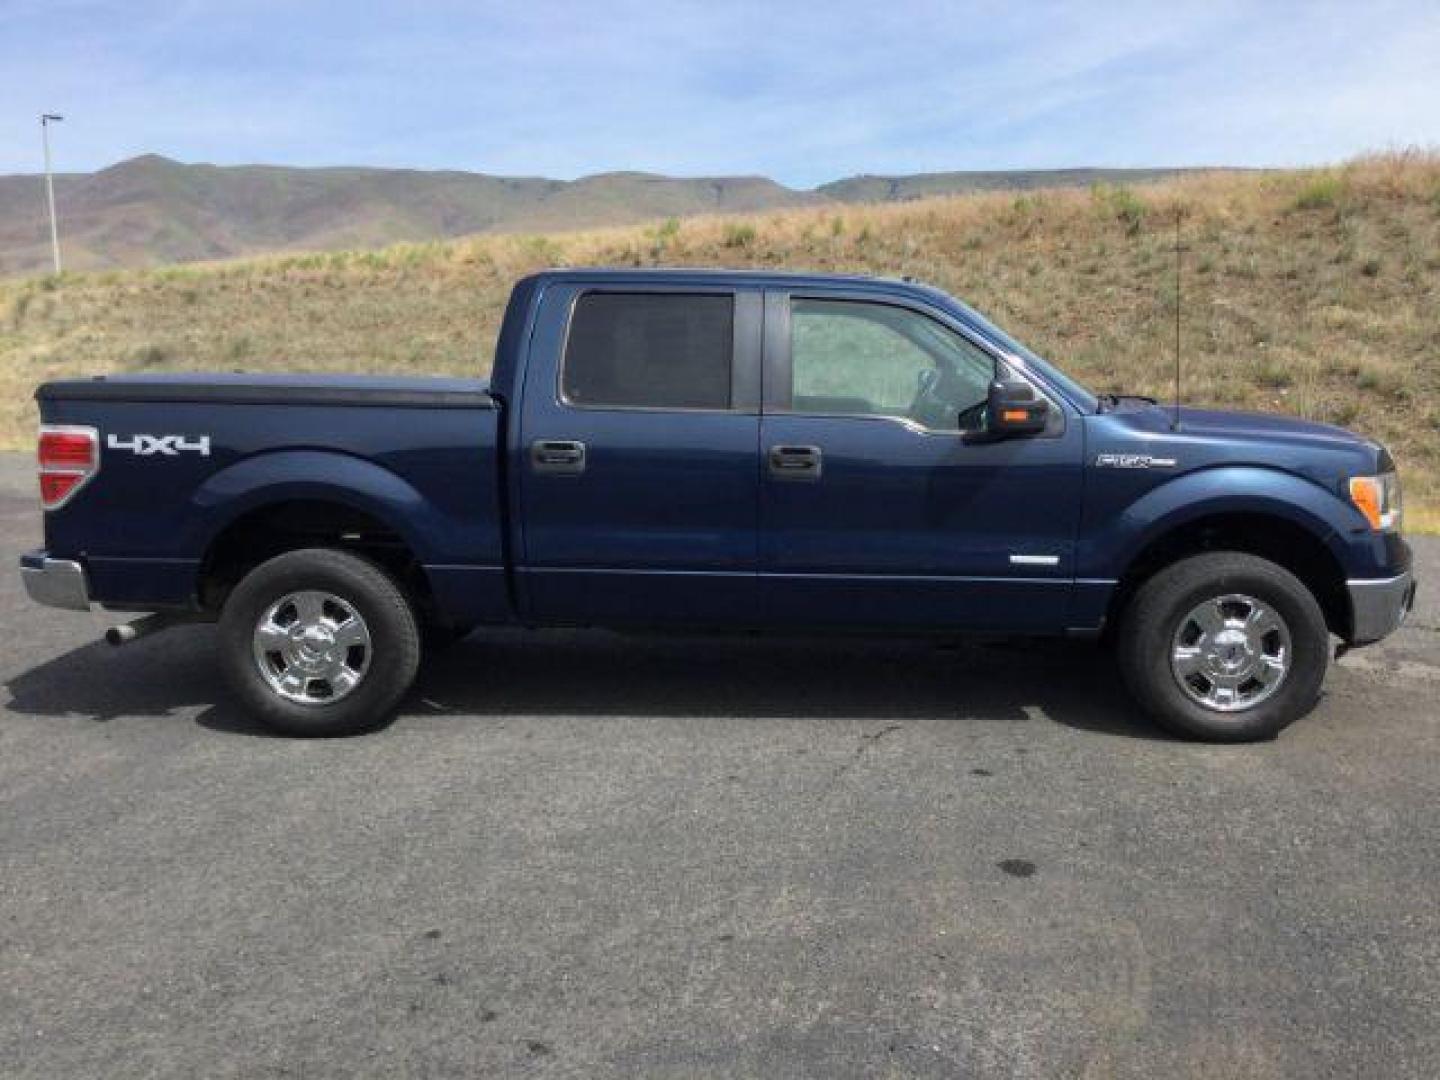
(273, 529)
(1274, 538)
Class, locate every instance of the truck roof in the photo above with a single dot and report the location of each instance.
(713, 276)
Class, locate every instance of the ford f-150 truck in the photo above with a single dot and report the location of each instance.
(711, 449)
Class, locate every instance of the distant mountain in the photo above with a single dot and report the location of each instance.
(151, 210)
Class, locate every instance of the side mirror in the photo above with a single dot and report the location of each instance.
(1013, 408)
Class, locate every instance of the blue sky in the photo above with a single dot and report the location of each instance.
(804, 92)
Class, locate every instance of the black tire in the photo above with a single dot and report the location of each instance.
(391, 658)
(1153, 617)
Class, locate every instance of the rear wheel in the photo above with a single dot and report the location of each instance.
(1226, 647)
(319, 642)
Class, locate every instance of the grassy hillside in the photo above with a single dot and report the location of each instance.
(1313, 293)
(869, 189)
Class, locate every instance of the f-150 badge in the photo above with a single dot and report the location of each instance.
(168, 445)
(1134, 461)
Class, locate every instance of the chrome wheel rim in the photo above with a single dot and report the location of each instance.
(1230, 653)
(312, 647)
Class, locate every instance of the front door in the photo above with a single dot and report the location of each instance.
(880, 504)
(637, 457)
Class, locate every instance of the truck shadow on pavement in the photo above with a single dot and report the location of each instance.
(596, 673)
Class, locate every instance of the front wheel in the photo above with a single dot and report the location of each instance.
(1225, 647)
(319, 642)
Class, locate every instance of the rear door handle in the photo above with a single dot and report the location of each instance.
(795, 462)
(565, 457)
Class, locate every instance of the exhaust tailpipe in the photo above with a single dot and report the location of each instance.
(145, 626)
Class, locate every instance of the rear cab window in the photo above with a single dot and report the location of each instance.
(660, 350)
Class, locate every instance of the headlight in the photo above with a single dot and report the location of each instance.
(1378, 498)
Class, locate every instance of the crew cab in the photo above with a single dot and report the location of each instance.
(722, 450)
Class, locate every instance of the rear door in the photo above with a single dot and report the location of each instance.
(638, 456)
(880, 505)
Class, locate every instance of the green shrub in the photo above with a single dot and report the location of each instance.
(1321, 193)
(1129, 210)
(543, 250)
(1122, 204)
(1273, 374)
(663, 235)
(738, 235)
(17, 309)
(147, 356)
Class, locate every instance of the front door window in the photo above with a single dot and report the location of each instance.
(855, 358)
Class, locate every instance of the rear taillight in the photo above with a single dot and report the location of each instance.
(69, 457)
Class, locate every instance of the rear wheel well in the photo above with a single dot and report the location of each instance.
(1274, 538)
(276, 528)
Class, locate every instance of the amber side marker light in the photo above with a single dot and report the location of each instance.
(1018, 416)
(1378, 498)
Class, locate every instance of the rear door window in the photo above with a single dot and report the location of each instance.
(650, 351)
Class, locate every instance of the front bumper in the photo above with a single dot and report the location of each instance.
(1378, 606)
(56, 582)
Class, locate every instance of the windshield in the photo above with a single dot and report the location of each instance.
(1068, 386)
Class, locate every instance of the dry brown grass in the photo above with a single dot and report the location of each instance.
(1311, 292)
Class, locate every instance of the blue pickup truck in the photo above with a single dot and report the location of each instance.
(723, 450)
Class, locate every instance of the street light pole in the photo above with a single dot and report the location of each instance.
(45, 120)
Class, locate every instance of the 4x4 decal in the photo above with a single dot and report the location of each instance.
(168, 445)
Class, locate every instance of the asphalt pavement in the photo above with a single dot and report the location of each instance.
(589, 855)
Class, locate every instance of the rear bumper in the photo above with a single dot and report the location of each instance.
(1378, 606)
(55, 582)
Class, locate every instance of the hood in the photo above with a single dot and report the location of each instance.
(1208, 437)
(1266, 426)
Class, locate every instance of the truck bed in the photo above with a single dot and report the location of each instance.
(185, 457)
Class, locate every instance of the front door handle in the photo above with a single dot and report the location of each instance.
(795, 462)
(564, 457)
